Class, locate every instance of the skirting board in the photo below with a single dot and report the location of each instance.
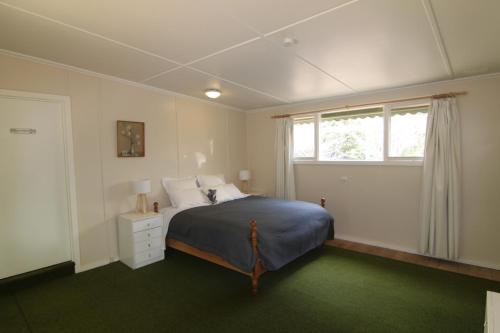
(412, 251)
(96, 264)
(37, 276)
(376, 243)
(105, 262)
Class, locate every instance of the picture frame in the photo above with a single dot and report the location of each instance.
(130, 139)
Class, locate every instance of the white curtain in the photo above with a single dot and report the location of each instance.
(285, 180)
(441, 202)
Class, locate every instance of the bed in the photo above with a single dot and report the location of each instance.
(249, 235)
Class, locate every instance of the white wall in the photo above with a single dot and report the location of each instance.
(379, 204)
(178, 130)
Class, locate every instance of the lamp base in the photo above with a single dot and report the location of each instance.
(244, 186)
(142, 203)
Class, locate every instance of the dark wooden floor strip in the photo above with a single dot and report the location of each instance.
(481, 272)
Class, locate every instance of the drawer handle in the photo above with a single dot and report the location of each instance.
(149, 255)
(149, 245)
(149, 235)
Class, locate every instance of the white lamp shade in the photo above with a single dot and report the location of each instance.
(141, 186)
(245, 175)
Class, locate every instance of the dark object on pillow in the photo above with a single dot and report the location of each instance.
(212, 196)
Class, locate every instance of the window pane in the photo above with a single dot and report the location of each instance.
(352, 135)
(407, 135)
(303, 137)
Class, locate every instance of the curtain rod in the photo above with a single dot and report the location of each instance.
(445, 95)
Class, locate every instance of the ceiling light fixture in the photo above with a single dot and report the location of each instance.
(289, 41)
(212, 93)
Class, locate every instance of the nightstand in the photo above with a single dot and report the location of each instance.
(140, 238)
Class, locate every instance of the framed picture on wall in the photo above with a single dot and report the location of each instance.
(130, 139)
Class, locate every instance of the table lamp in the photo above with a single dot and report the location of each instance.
(244, 177)
(141, 188)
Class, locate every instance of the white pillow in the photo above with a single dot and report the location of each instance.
(233, 191)
(210, 180)
(225, 192)
(174, 184)
(188, 198)
(178, 184)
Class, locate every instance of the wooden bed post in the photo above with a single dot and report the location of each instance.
(323, 201)
(258, 268)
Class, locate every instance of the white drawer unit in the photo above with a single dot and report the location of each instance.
(146, 245)
(492, 321)
(147, 224)
(140, 236)
(140, 239)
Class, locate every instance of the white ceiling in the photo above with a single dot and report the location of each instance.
(188, 46)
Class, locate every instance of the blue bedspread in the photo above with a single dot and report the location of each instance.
(285, 230)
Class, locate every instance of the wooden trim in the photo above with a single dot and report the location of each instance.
(461, 268)
(346, 107)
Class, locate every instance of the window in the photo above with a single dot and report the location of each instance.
(352, 135)
(387, 133)
(407, 132)
(303, 138)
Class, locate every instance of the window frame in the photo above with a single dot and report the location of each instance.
(315, 155)
(387, 130)
(387, 160)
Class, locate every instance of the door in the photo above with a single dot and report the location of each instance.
(34, 213)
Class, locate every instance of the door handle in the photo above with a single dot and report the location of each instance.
(22, 131)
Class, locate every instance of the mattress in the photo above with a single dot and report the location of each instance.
(285, 229)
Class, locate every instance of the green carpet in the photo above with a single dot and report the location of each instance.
(328, 290)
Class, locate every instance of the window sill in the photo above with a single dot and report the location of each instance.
(411, 163)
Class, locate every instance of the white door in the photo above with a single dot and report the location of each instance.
(34, 214)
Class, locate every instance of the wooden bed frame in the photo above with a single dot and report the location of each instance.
(257, 270)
